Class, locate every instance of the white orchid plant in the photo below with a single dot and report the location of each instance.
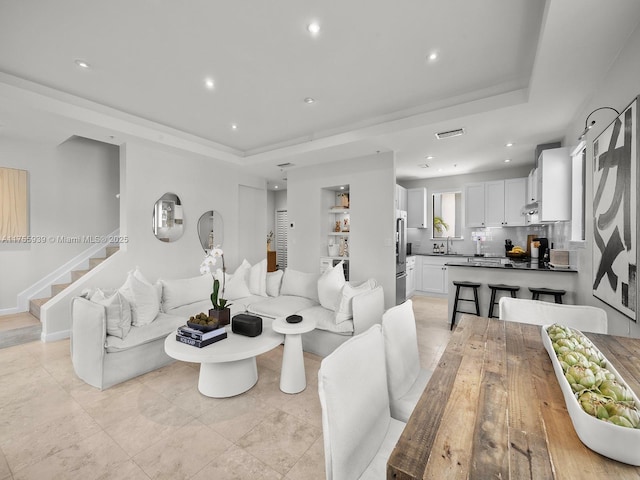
(208, 266)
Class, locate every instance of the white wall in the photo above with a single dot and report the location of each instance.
(371, 181)
(619, 88)
(147, 173)
(72, 192)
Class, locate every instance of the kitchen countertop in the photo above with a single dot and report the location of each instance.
(514, 265)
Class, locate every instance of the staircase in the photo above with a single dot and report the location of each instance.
(35, 304)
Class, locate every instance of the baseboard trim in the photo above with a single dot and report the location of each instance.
(55, 336)
(11, 311)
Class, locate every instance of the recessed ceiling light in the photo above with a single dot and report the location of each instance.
(341, 188)
(208, 82)
(313, 28)
(429, 157)
(234, 126)
(82, 64)
(309, 100)
(508, 144)
(507, 160)
(432, 57)
(275, 186)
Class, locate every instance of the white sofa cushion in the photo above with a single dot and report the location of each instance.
(118, 311)
(160, 328)
(325, 320)
(235, 285)
(344, 311)
(281, 306)
(330, 286)
(143, 298)
(300, 284)
(258, 278)
(274, 281)
(185, 291)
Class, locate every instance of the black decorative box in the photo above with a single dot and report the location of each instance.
(247, 325)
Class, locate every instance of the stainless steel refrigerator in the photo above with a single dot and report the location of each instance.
(401, 256)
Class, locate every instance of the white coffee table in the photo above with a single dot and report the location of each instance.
(292, 376)
(227, 367)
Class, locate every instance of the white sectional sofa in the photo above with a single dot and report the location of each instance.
(118, 335)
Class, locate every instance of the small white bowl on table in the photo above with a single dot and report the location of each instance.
(292, 375)
(227, 367)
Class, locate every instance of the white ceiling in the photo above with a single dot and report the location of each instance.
(508, 71)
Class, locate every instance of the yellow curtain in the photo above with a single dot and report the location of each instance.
(13, 202)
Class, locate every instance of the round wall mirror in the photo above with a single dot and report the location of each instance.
(210, 230)
(167, 218)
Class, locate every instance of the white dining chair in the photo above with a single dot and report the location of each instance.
(581, 317)
(359, 433)
(406, 380)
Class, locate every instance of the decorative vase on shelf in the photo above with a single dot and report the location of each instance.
(223, 316)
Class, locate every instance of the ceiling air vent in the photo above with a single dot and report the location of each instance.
(450, 133)
(285, 165)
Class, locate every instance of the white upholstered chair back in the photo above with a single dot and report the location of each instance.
(356, 422)
(401, 348)
(581, 317)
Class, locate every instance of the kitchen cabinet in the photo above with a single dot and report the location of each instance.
(411, 275)
(495, 204)
(401, 198)
(554, 185)
(417, 207)
(474, 204)
(434, 274)
(532, 186)
(515, 195)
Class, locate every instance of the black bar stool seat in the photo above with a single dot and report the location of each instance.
(500, 287)
(460, 285)
(557, 294)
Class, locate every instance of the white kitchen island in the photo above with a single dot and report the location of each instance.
(522, 275)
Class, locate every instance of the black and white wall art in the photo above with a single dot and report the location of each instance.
(615, 197)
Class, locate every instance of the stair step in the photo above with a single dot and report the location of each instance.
(58, 287)
(35, 304)
(19, 328)
(94, 262)
(112, 250)
(77, 274)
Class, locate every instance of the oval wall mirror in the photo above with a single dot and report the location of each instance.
(210, 230)
(167, 218)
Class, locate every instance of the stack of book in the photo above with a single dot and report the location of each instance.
(198, 338)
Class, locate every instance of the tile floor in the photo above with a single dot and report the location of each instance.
(157, 426)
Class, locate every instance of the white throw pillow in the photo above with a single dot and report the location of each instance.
(344, 311)
(330, 286)
(185, 291)
(235, 285)
(274, 280)
(143, 298)
(300, 284)
(118, 312)
(258, 278)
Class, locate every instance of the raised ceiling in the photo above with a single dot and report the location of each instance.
(507, 71)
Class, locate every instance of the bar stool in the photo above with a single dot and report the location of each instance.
(459, 285)
(557, 294)
(500, 287)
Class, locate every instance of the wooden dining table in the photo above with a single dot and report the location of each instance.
(494, 409)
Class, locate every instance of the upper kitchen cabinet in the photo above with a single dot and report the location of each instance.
(549, 192)
(417, 207)
(401, 198)
(495, 204)
(474, 204)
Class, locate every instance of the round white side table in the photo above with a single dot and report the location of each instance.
(292, 376)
